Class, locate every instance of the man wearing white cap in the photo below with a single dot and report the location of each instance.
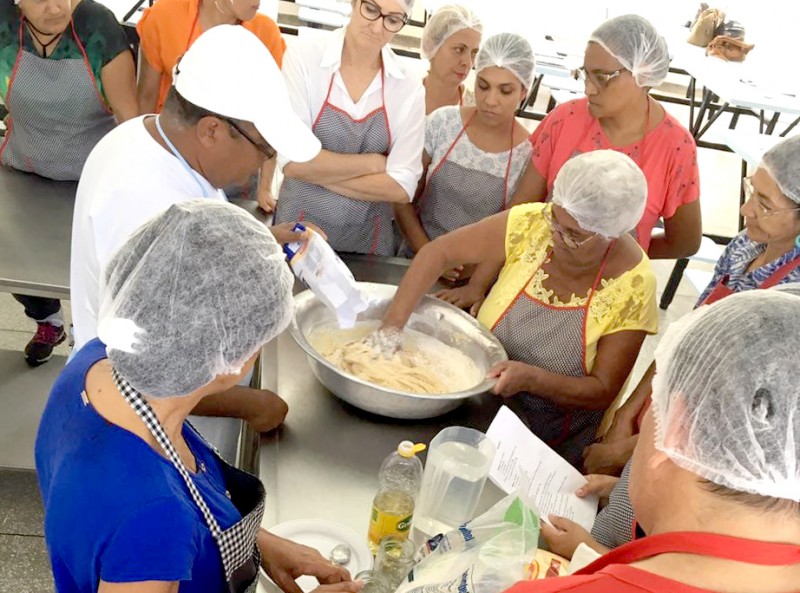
(227, 112)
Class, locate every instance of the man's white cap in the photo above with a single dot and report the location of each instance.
(228, 71)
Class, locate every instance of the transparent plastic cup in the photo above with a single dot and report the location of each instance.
(395, 559)
(456, 469)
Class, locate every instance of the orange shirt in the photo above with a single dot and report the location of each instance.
(169, 27)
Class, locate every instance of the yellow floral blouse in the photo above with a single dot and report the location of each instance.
(627, 302)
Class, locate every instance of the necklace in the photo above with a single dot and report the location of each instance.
(33, 31)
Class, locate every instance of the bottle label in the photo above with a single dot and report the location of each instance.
(382, 524)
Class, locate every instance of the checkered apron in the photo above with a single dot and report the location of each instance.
(57, 114)
(352, 226)
(237, 544)
(456, 196)
(552, 338)
(614, 525)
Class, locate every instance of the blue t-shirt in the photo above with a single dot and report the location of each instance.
(114, 508)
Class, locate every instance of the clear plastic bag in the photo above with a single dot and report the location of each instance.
(486, 555)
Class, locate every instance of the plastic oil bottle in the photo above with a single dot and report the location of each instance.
(400, 479)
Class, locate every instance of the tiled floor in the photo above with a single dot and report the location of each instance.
(24, 565)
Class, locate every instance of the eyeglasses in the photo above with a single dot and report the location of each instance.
(598, 78)
(761, 210)
(565, 234)
(267, 150)
(392, 22)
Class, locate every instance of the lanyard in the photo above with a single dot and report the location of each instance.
(182, 160)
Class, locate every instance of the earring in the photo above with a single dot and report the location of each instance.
(797, 241)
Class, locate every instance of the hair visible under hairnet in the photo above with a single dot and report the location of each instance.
(509, 51)
(782, 162)
(726, 399)
(636, 44)
(193, 294)
(446, 22)
(603, 190)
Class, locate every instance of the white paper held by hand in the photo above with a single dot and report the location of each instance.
(523, 459)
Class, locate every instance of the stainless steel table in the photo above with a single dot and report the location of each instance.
(35, 228)
(35, 232)
(324, 462)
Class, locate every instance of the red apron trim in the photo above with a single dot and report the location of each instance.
(327, 103)
(376, 235)
(449, 152)
(89, 69)
(721, 290)
(598, 278)
(10, 85)
(702, 544)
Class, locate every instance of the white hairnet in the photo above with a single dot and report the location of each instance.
(636, 44)
(193, 294)
(726, 399)
(408, 5)
(603, 190)
(509, 51)
(446, 22)
(782, 162)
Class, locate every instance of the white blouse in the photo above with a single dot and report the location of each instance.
(308, 66)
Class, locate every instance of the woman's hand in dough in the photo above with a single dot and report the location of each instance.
(512, 377)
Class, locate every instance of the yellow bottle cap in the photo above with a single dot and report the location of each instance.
(409, 449)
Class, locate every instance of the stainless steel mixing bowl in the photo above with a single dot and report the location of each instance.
(432, 316)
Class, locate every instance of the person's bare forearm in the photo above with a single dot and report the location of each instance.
(410, 226)
(661, 248)
(331, 167)
(585, 393)
(370, 188)
(632, 408)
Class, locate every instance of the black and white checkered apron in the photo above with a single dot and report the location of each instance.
(456, 196)
(614, 525)
(237, 544)
(57, 114)
(554, 339)
(352, 226)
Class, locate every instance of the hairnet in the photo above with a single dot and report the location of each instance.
(603, 190)
(191, 295)
(408, 5)
(726, 395)
(781, 162)
(636, 44)
(446, 22)
(509, 51)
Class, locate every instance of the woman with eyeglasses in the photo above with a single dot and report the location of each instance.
(474, 156)
(573, 302)
(368, 112)
(450, 41)
(765, 254)
(624, 59)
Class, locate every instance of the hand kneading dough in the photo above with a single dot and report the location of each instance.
(422, 365)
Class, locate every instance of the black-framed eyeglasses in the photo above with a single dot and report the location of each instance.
(598, 78)
(392, 21)
(267, 150)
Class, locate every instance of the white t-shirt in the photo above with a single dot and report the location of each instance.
(309, 66)
(128, 179)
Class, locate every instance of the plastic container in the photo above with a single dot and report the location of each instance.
(400, 478)
(316, 264)
(458, 464)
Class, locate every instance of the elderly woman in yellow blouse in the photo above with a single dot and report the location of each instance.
(573, 302)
